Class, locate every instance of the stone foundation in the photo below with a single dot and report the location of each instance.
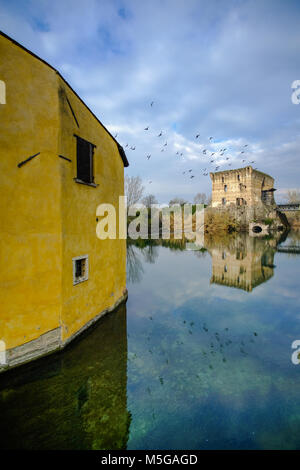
(47, 343)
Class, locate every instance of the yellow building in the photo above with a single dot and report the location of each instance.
(58, 163)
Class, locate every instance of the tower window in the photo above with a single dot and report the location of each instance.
(80, 269)
(225, 187)
(223, 201)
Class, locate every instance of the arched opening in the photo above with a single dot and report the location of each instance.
(256, 229)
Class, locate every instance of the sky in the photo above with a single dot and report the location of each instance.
(219, 68)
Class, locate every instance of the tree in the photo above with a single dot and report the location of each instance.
(133, 189)
(202, 198)
(293, 196)
(177, 200)
(149, 200)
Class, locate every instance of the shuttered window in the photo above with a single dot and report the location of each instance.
(85, 152)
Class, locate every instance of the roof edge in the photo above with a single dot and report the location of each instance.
(239, 169)
(120, 148)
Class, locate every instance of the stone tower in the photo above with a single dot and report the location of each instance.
(242, 187)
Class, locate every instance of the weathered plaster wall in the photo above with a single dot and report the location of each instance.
(46, 217)
(30, 229)
(107, 258)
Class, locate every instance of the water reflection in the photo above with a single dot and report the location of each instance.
(147, 251)
(209, 367)
(73, 400)
(238, 260)
(243, 262)
(197, 366)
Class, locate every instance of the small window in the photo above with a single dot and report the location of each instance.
(222, 179)
(225, 187)
(80, 269)
(238, 177)
(85, 153)
(223, 201)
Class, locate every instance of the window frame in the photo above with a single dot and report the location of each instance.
(78, 280)
(78, 178)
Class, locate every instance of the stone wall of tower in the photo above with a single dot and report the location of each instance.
(239, 187)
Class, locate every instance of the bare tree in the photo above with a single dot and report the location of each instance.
(177, 200)
(202, 198)
(135, 268)
(149, 200)
(133, 189)
(293, 196)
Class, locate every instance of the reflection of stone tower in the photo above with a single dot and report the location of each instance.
(73, 400)
(242, 262)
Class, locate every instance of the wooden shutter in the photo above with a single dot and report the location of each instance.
(85, 152)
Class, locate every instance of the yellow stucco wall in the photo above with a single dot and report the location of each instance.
(30, 230)
(107, 258)
(46, 217)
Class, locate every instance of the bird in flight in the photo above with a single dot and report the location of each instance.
(192, 176)
(126, 145)
(115, 136)
(159, 135)
(146, 128)
(150, 182)
(166, 144)
(198, 135)
(132, 148)
(151, 104)
(148, 156)
(211, 138)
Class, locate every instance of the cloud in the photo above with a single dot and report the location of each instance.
(219, 68)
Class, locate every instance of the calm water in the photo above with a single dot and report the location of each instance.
(199, 358)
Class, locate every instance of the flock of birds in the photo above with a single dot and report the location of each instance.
(213, 156)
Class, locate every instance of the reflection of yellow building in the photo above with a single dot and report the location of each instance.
(243, 262)
(73, 401)
(58, 163)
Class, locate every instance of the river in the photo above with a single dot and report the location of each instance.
(200, 357)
